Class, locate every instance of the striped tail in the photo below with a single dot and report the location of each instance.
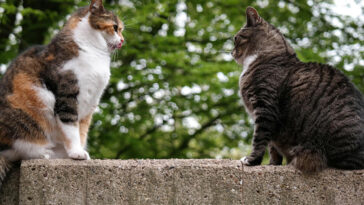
(5, 166)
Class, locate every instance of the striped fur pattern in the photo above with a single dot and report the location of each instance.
(309, 113)
(5, 166)
(49, 93)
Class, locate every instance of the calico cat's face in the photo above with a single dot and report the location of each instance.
(258, 37)
(107, 23)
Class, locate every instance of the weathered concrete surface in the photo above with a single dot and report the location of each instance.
(131, 182)
(285, 185)
(176, 182)
(9, 192)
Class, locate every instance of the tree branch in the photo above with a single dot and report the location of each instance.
(208, 124)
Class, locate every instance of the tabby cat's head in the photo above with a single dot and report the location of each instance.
(258, 37)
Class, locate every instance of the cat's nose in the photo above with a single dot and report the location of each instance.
(121, 43)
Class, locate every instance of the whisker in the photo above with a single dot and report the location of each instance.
(126, 17)
(133, 27)
(132, 30)
(113, 56)
(223, 51)
(116, 55)
(129, 23)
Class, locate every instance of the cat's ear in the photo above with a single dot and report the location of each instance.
(252, 17)
(96, 6)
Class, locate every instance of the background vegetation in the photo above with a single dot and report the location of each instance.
(174, 86)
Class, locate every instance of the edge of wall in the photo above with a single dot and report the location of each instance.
(176, 181)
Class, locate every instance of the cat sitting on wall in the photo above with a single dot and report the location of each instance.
(308, 112)
(49, 93)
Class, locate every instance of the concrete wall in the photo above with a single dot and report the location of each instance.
(176, 182)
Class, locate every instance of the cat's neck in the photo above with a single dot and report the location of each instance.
(88, 39)
(281, 59)
(277, 58)
(247, 62)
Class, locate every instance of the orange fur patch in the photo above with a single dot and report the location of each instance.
(84, 126)
(24, 97)
(109, 28)
(50, 57)
(73, 22)
(121, 28)
(5, 140)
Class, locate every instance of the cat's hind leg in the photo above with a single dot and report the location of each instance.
(10, 155)
(275, 157)
(30, 150)
(308, 160)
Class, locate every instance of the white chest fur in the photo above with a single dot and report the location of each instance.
(246, 64)
(93, 74)
(91, 66)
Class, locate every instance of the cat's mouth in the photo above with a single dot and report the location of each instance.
(115, 46)
(233, 53)
(236, 54)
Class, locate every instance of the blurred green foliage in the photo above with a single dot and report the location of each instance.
(174, 86)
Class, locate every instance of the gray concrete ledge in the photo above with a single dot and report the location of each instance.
(175, 182)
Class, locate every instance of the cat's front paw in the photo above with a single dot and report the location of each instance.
(245, 161)
(250, 161)
(79, 154)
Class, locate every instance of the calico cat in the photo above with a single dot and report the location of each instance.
(49, 93)
(308, 112)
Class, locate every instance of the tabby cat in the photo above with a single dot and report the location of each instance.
(49, 93)
(309, 113)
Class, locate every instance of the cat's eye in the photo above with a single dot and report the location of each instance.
(116, 28)
(242, 36)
